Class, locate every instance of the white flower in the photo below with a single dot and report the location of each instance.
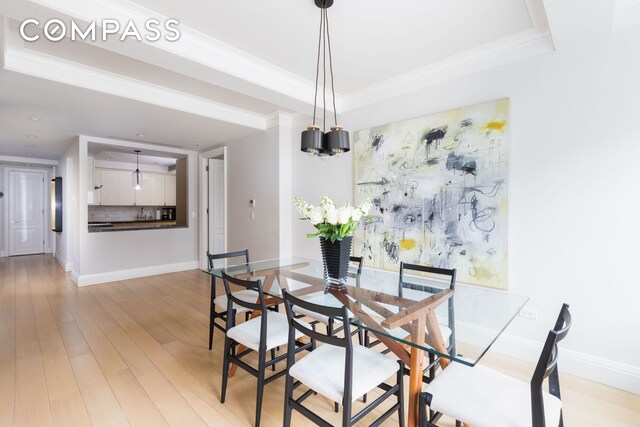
(315, 215)
(344, 214)
(331, 215)
(356, 215)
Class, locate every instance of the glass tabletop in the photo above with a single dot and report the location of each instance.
(470, 321)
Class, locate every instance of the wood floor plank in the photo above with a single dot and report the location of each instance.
(31, 397)
(67, 406)
(7, 343)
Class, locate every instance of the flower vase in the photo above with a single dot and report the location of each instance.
(336, 261)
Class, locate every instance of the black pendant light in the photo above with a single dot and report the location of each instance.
(316, 141)
(137, 175)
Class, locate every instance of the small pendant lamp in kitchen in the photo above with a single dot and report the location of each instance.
(316, 141)
(137, 175)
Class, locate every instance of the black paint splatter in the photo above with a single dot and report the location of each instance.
(376, 141)
(465, 123)
(461, 163)
(434, 135)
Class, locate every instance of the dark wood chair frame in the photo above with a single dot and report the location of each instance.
(547, 367)
(345, 342)
(213, 314)
(230, 351)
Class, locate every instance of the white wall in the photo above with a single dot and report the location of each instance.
(252, 173)
(573, 183)
(67, 240)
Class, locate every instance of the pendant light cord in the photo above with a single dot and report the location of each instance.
(333, 90)
(315, 96)
(324, 72)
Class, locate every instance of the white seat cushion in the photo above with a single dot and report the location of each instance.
(322, 370)
(483, 397)
(245, 295)
(248, 333)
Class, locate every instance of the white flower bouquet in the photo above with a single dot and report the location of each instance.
(332, 223)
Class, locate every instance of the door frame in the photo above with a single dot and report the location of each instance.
(47, 174)
(204, 201)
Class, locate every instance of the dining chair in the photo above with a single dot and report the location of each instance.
(264, 332)
(483, 397)
(338, 370)
(221, 300)
(448, 330)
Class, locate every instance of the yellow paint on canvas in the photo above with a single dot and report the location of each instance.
(406, 244)
(499, 125)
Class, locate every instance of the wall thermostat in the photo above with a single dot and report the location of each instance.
(252, 203)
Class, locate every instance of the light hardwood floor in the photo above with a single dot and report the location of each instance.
(135, 353)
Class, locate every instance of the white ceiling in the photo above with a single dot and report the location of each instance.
(372, 40)
(239, 63)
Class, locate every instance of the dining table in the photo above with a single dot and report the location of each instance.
(406, 319)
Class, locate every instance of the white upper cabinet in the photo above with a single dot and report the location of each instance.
(109, 190)
(126, 192)
(170, 190)
(143, 195)
(156, 189)
(97, 182)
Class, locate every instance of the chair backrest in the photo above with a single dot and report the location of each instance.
(358, 260)
(237, 254)
(548, 367)
(261, 303)
(450, 274)
(290, 302)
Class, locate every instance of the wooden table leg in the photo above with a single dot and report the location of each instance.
(436, 337)
(415, 376)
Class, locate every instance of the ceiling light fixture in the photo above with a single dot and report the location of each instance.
(33, 118)
(137, 175)
(140, 135)
(314, 141)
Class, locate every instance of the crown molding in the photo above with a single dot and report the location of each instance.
(198, 48)
(626, 14)
(520, 46)
(29, 160)
(63, 71)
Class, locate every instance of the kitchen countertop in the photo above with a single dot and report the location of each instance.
(107, 226)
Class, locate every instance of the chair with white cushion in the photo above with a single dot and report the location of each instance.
(338, 370)
(261, 334)
(221, 300)
(483, 397)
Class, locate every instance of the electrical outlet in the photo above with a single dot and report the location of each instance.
(529, 313)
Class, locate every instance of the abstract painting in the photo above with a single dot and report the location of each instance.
(439, 188)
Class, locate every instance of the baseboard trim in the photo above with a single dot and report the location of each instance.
(67, 266)
(114, 276)
(605, 371)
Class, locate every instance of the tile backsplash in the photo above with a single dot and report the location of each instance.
(121, 213)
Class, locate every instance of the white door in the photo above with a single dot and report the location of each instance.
(26, 213)
(216, 206)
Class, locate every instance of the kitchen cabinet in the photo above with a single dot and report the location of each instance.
(97, 181)
(156, 189)
(143, 195)
(126, 192)
(109, 190)
(170, 190)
